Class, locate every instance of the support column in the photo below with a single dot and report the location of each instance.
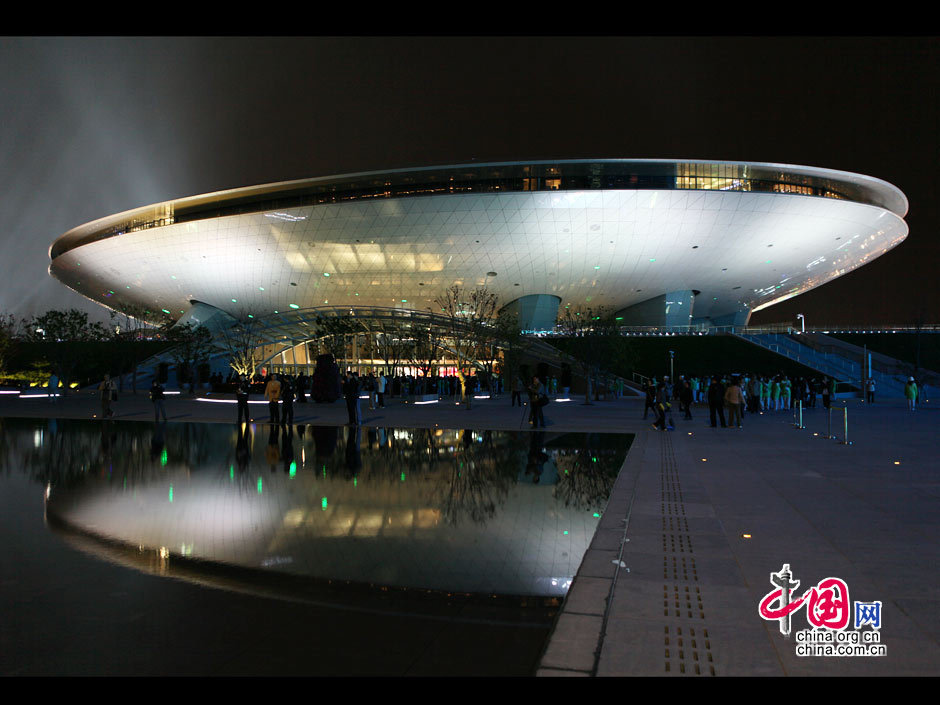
(536, 311)
(673, 309)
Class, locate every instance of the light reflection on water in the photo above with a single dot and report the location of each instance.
(493, 512)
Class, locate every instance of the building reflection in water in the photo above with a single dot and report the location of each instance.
(493, 512)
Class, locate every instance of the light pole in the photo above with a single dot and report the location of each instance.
(802, 322)
(672, 374)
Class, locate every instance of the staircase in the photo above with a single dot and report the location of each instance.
(836, 359)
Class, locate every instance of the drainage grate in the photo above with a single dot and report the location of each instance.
(687, 646)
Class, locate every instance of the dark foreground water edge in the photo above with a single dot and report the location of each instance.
(377, 552)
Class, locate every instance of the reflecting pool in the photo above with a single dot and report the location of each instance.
(499, 513)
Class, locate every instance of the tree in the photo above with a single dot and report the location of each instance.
(241, 342)
(7, 340)
(127, 326)
(595, 343)
(425, 349)
(331, 333)
(390, 345)
(192, 346)
(513, 343)
(469, 325)
(65, 333)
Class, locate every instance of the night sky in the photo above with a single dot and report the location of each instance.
(94, 126)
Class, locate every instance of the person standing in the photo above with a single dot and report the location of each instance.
(735, 401)
(870, 391)
(272, 392)
(241, 396)
(156, 396)
(826, 393)
(108, 394)
(910, 393)
(517, 391)
(685, 399)
(287, 402)
(650, 392)
(351, 393)
(716, 401)
(381, 383)
(53, 388)
(537, 401)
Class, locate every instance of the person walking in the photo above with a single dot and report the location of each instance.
(156, 396)
(272, 392)
(241, 396)
(663, 406)
(108, 394)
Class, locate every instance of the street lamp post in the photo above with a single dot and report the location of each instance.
(802, 322)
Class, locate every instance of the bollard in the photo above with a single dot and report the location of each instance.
(801, 426)
(845, 428)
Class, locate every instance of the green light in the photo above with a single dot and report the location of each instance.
(403, 477)
(326, 274)
(234, 301)
(652, 259)
(294, 306)
(171, 493)
(259, 484)
(163, 458)
(164, 310)
(323, 504)
(250, 316)
(566, 533)
(260, 288)
(619, 318)
(404, 301)
(324, 471)
(231, 472)
(355, 481)
(293, 469)
(594, 460)
(596, 515)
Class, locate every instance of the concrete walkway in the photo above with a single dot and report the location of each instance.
(671, 584)
(701, 517)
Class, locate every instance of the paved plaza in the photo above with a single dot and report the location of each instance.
(699, 519)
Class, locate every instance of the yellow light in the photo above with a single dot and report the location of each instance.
(746, 536)
(704, 460)
(897, 462)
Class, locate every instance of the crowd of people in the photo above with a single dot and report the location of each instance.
(745, 394)
(739, 394)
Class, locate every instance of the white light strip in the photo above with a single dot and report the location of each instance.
(38, 396)
(228, 401)
(13, 391)
(562, 400)
(433, 401)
